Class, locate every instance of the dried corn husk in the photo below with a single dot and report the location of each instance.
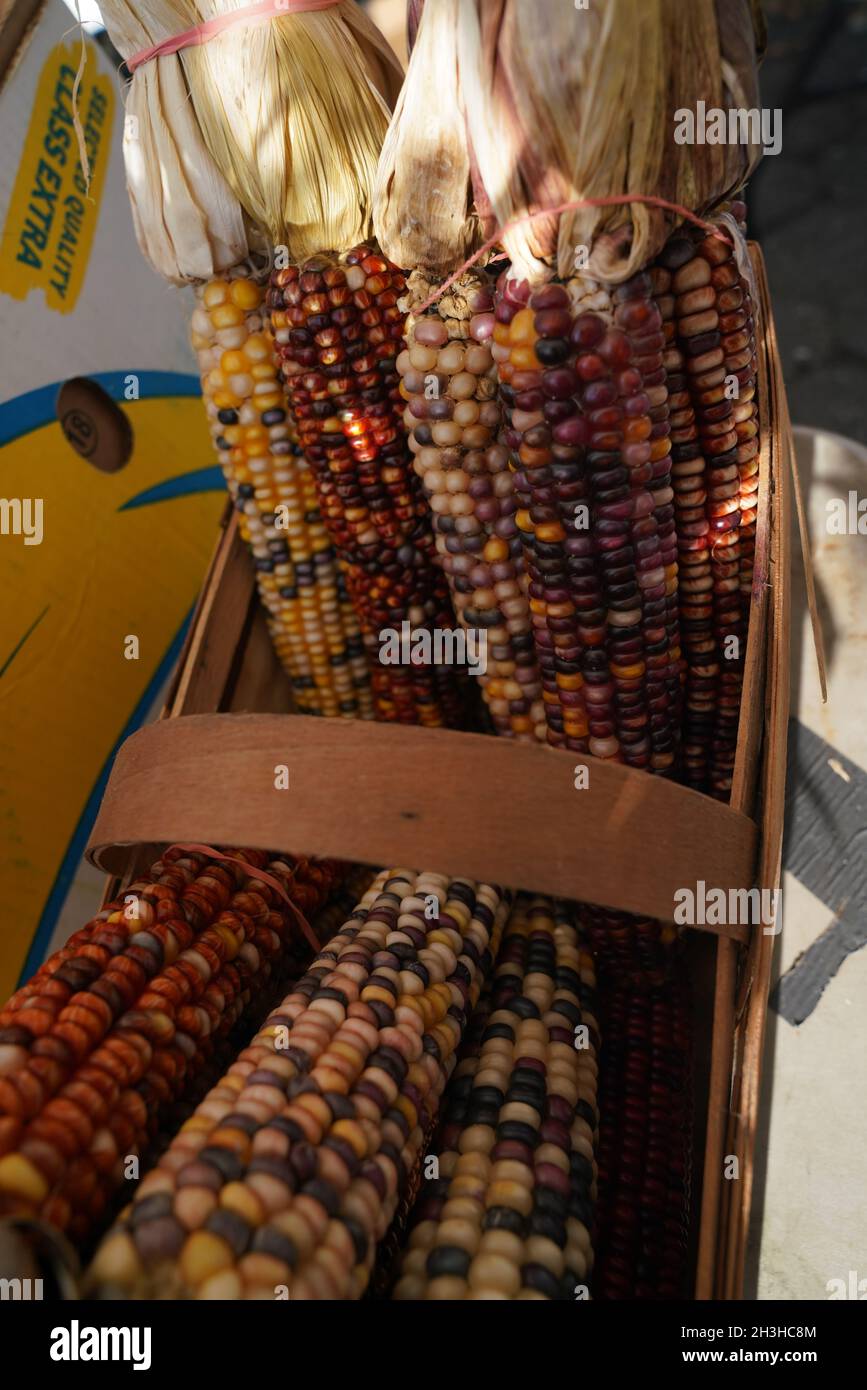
(413, 19)
(188, 222)
(563, 104)
(275, 127)
(421, 199)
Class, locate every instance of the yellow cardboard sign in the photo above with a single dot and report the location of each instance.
(52, 215)
(68, 688)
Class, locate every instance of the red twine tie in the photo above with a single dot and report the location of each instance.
(616, 200)
(254, 872)
(211, 28)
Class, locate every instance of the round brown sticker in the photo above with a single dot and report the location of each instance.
(94, 424)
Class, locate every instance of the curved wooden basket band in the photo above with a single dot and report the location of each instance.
(461, 804)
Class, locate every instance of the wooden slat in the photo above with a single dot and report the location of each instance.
(226, 521)
(746, 1089)
(262, 685)
(744, 782)
(17, 19)
(457, 803)
(216, 629)
(719, 1091)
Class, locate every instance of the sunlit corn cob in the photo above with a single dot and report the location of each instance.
(338, 330)
(735, 315)
(510, 1213)
(645, 1141)
(592, 476)
(449, 380)
(631, 948)
(96, 1049)
(583, 378)
(711, 365)
(288, 1175)
(310, 618)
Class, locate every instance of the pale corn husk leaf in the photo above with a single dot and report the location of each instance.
(285, 118)
(422, 212)
(295, 113)
(661, 63)
(188, 222)
(559, 91)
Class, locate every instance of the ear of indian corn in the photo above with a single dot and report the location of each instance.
(457, 1249)
(216, 1054)
(286, 1178)
(711, 366)
(627, 947)
(583, 377)
(310, 618)
(448, 378)
(103, 1040)
(510, 1212)
(338, 330)
(645, 1141)
(592, 475)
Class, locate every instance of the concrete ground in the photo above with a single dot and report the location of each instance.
(807, 208)
(809, 1222)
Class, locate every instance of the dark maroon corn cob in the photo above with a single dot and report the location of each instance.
(645, 1141)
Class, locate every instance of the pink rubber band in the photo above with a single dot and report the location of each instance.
(616, 200)
(255, 872)
(203, 33)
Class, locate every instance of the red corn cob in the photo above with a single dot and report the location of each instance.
(338, 330)
(85, 1072)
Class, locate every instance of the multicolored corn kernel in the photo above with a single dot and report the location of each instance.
(288, 1175)
(449, 381)
(96, 1049)
(338, 330)
(310, 618)
(510, 1213)
(592, 477)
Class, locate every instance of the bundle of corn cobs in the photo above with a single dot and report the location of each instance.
(590, 450)
(585, 425)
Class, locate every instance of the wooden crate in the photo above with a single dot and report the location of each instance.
(497, 811)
